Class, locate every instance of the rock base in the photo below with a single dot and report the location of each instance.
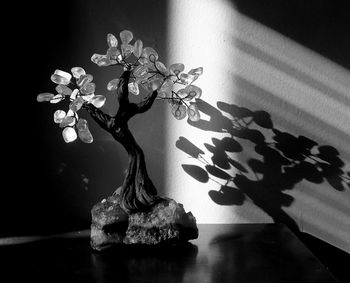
(166, 222)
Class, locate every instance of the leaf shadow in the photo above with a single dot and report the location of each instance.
(284, 160)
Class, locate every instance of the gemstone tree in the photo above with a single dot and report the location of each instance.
(142, 72)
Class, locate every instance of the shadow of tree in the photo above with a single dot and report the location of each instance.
(285, 160)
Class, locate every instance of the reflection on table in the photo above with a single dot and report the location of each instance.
(222, 253)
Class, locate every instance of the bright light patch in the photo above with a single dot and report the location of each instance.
(198, 37)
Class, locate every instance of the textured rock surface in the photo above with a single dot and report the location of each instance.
(165, 222)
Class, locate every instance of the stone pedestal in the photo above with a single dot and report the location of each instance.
(166, 222)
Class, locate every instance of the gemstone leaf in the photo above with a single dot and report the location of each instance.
(150, 54)
(113, 84)
(63, 89)
(133, 88)
(71, 113)
(98, 101)
(104, 62)
(176, 69)
(57, 79)
(88, 88)
(83, 131)
(138, 48)
(155, 84)
(112, 54)
(197, 71)
(74, 94)
(85, 136)
(84, 79)
(63, 74)
(58, 116)
(69, 134)
(67, 121)
(96, 58)
(188, 78)
(147, 85)
(112, 41)
(144, 61)
(167, 86)
(82, 124)
(161, 67)
(179, 111)
(126, 36)
(88, 97)
(76, 104)
(127, 50)
(182, 93)
(46, 96)
(192, 92)
(193, 113)
(140, 71)
(77, 72)
(57, 98)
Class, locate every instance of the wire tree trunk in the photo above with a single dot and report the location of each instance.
(138, 192)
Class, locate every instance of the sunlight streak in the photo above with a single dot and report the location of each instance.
(197, 38)
(31, 239)
(249, 65)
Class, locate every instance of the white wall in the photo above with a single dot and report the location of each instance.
(251, 66)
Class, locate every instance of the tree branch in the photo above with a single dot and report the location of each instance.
(103, 119)
(122, 91)
(147, 104)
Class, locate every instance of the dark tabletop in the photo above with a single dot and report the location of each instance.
(222, 253)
